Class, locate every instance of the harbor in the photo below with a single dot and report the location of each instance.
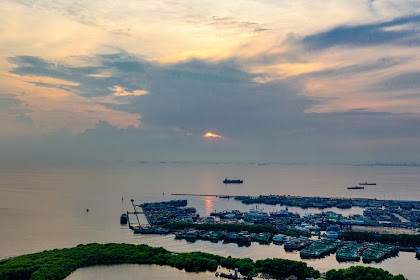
(314, 236)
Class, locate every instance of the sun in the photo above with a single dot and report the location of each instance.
(211, 135)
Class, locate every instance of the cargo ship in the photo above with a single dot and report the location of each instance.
(356, 188)
(228, 181)
(367, 184)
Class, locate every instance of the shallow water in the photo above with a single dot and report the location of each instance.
(136, 272)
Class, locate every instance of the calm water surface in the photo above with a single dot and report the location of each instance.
(136, 272)
(45, 207)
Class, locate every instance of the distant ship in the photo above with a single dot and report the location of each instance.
(228, 181)
(356, 188)
(367, 184)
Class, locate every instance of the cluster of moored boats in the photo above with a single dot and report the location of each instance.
(309, 248)
(319, 248)
(215, 236)
(327, 242)
(376, 252)
(159, 213)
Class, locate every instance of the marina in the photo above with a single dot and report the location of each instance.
(308, 237)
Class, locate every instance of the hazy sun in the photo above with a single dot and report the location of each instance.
(212, 135)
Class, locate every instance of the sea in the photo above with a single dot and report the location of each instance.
(60, 206)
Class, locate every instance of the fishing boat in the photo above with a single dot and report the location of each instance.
(263, 237)
(280, 238)
(242, 236)
(144, 229)
(161, 230)
(186, 234)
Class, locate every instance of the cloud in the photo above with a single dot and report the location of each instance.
(403, 81)
(13, 111)
(369, 66)
(195, 95)
(88, 79)
(400, 31)
(187, 99)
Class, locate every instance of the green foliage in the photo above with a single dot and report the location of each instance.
(361, 273)
(58, 264)
(408, 240)
(280, 268)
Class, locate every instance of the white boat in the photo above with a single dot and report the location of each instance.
(280, 238)
(332, 234)
(255, 213)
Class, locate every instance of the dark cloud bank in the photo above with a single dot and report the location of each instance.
(258, 121)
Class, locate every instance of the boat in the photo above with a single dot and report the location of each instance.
(332, 234)
(242, 236)
(280, 238)
(319, 249)
(350, 252)
(144, 229)
(186, 234)
(161, 230)
(235, 181)
(367, 184)
(377, 252)
(124, 219)
(263, 237)
(296, 243)
(356, 188)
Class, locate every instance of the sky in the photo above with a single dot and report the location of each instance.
(275, 81)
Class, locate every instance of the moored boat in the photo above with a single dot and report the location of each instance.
(242, 236)
(263, 237)
(124, 219)
(160, 230)
(350, 252)
(144, 229)
(280, 238)
(186, 234)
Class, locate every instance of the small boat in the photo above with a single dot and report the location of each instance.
(332, 234)
(124, 219)
(235, 181)
(367, 184)
(356, 188)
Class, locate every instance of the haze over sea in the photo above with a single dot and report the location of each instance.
(45, 207)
